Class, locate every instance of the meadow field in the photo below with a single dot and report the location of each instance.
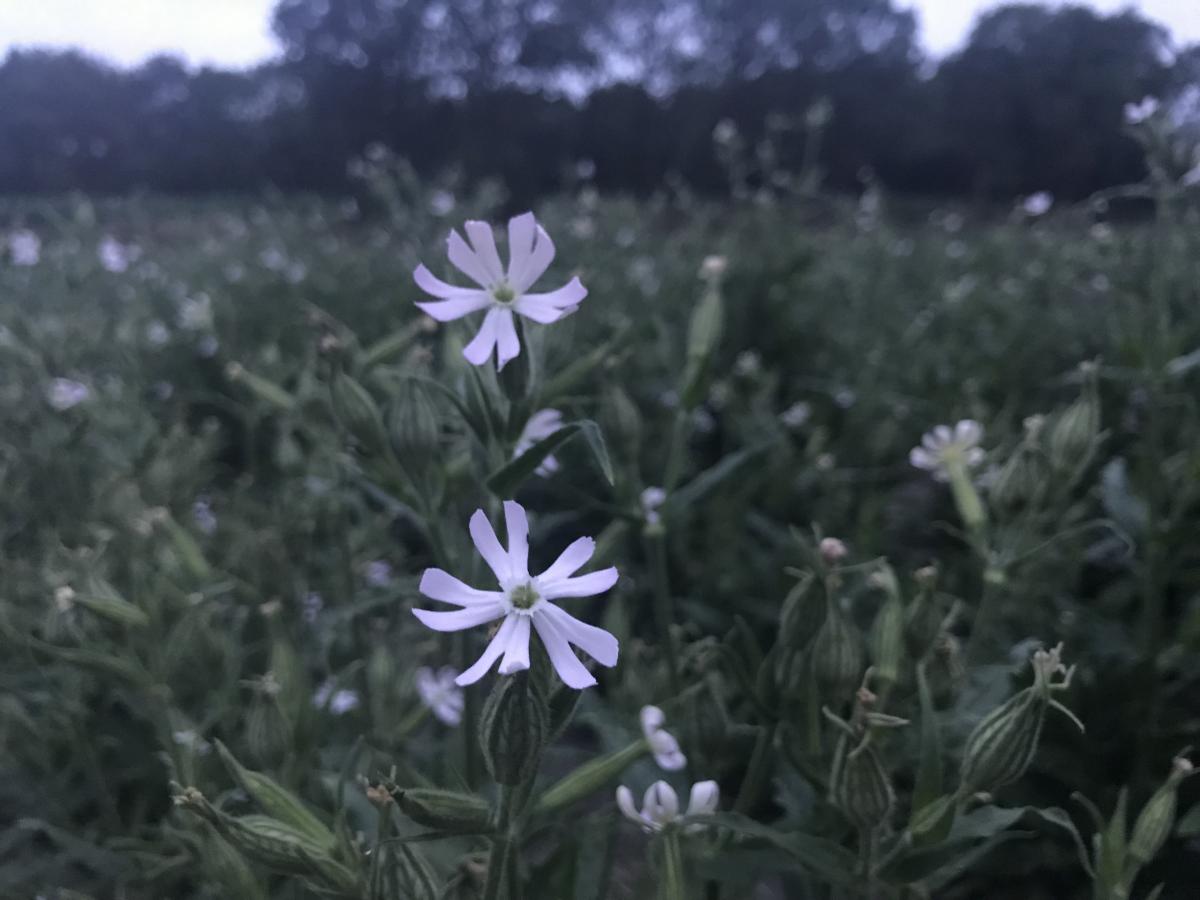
(860, 655)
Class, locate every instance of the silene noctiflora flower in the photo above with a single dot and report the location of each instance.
(501, 291)
(440, 694)
(660, 806)
(945, 447)
(523, 603)
(662, 743)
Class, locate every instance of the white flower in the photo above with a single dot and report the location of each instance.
(523, 602)
(651, 499)
(195, 313)
(157, 333)
(662, 744)
(115, 256)
(379, 573)
(945, 445)
(1037, 204)
(311, 607)
(501, 291)
(203, 516)
(439, 692)
(541, 424)
(660, 806)
(796, 415)
(1137, 113)
(1192, 178)
(63, 393)
(339, 702)
(187, 737)
(24, 247)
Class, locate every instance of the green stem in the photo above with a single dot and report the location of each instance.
(672, 884)
(664, 608)
(757, 770)
(502, 881)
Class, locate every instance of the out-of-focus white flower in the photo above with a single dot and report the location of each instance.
(208, 346)
(501, 291)
(796, 415)
(1037, 204)
(662, 743)
(311, 607)
(187, 737)
(832, 550)
(1137, 113)
(713, 267)
(945, 446)
(439, 692)
(157, 333)
(441, 202)
(338, 701)
(523, 603)
(115, 256)
(63, 393)
(1192, 178)
(24, 248)
(747, 364)
(541, 424)
(195, 313)
(652, 498)
(64, 598)
(660, 806)
(379, 573)
(725, 131)
(203, 516)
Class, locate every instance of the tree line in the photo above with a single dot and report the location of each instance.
(630, 91)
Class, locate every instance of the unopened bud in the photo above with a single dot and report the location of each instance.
(414, 425)
(1018, 481)
(447, 811)
(837, 656)
(1073, 432)
(832, 551)
(513, 729)
(623, 421)
(923, 616)
(888, 641)
(1157, 818)
(357, 412)
(860, 786)
(800, 615)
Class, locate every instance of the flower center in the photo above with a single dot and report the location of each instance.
(523, 596)
(503, 293)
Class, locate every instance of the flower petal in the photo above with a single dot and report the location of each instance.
(661, 803)
(508, 347)
(437, 584)
(456, 307)
(466, 260)
(484, 242)
(492, 653)
(568, 296)
(595, 642)
(569, 561)
(522, 232)
(968, 432)
(480, 348)
(625, 804)
(921, 458)
(488, 546)
(431, 284)
(652, 719)
(704, 798)
(516, 654)
(562, 657)
(582, 586)
(516, 523)
(539, 262)
(539, 311)
(459, 619)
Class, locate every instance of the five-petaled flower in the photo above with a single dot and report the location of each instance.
(502, 291)
(523, 602)
(944, 447)
(660, 806)
(440, 694)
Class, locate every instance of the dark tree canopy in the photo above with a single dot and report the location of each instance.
(525, 89)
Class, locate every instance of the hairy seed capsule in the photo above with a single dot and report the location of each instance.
(447, 811)
(837, 656)
(356, 411)
(801, 616)
(923, 620)
(276, 801)
(414, 425)
(513, 729)
(1074, 431)
(860, 786)
(1018, 481)
(1157, 818)
(398, 869)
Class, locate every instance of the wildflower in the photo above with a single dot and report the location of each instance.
(157, 333)
(523, 602)
(439, 692)
(379, 573)
(541, 425)
(195, 313)
(441, 202)
(188, 738)
(338, 702)
(662, 743)
(203, 516)
(1037, 204)
(115, 256)
(651, 499)
(311, 607)
(832, 550)
(713, 267)
(944, 446)
(63, 393)
(502, 292)
(748, 364)
(24, 248)
(64, 598)
(797, 415)
(1137, 113)
(660, 806)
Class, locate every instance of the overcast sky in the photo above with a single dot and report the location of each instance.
(236, 32)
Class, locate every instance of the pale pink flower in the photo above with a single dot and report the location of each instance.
(523, 603)
(501, 291)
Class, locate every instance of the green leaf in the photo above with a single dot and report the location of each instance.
(1189, 823)
(832, 862)
(505, 480)
(929, 767)
(709, 480)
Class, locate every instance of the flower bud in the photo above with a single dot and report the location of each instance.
(357, 413)
(399, 869)
(1074, 431)
(267, 734)
(229, 868)
(923, 616)
(1018, 481)
(1003, 744)
(414, 425)
(450, 812)
(837, 656)
(800, 615)
(1157, 818)
(101, 598)
(513, 729)
(888, 640)
(859, 785)
(704, 331)
(832, 551)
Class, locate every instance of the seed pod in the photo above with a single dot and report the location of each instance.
(1074, 430)
(1157, 817)
(229, 868)
(923, 617)
(801, 615)
(276, 801)
(887, 641)
(102, 598)
(590, 777)
(513, 728)
(837, 656)
(450, 812)
(382, 677)
(1018, 481)
(400, 870)
(414, 425)
(1003, 744)
(859, 784)
(357, 412)
(267, 733)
